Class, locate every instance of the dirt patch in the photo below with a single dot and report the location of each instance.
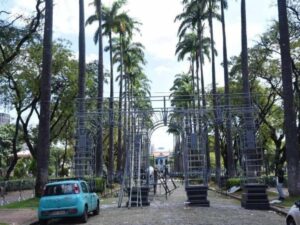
(18, 216)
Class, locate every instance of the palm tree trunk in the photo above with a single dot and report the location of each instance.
(43, 143)
(214, 92)
(125, 133)
(79, 170)
(230, 164)
(99, 147)
(205, 129)
(292, 146)
(111, 116)
(193, 93)
(120, 153)
(249, 127)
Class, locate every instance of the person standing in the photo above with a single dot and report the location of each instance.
(155, 178)
(279, 183)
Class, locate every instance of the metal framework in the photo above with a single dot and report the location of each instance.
(192, 125)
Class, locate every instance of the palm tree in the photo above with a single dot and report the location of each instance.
(230, 164)
(125, 28)
(181, 91)
(211, 7)
(292, 146)
(111, 22)
(249, 127)
(191, 19)
(99, 147)
(81, 84)
(43, 144)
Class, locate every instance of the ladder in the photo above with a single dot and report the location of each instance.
(135, 196)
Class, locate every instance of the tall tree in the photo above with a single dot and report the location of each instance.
(292, 146)
(111, 21)
(230, 164)
(99, 148)
(211, 6)
(45, 86)
(81, 86)
(249, 134)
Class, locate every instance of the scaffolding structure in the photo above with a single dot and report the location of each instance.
(192, 125)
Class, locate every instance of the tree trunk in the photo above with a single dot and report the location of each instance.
(43, 143)
(230, 164)
(292, 146)
(214, 92)
(205, 129)
(62, 168)
(248, 127)
(81, 133)
(111, 117)
(99, 147)
(14, 148)
(120, 127)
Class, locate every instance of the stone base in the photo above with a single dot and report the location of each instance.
(197, 196)
(255, 197)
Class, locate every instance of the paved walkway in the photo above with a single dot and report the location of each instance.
(18, 216)
(223, 210)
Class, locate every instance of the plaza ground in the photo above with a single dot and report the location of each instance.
(223, 210)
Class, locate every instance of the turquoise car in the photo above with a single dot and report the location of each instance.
(69, 198)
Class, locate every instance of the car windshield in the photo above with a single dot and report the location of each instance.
(59, 189)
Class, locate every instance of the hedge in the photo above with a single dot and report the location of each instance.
(233, 182)
(18, 185)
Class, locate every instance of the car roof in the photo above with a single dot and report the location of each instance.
(65, 182)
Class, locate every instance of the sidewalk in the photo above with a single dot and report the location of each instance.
(18, 216)
(279, 209)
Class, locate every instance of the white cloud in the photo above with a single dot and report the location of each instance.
(159, 32)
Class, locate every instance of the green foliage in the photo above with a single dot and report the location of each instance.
(233, 182)
(22, 168)
(17, 185)
(31, 203)
(100, 185)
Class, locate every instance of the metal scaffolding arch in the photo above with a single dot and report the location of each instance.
(192, 126)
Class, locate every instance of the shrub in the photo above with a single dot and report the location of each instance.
(100, 184)
(18, 185)
(233, 182)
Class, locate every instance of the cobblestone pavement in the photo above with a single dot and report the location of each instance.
(223, 211)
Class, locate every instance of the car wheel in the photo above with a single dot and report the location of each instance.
(43, 222)
(291, 221)
(84, 217)
(97, 210)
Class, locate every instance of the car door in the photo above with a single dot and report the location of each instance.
(86, 194)
(92, 197)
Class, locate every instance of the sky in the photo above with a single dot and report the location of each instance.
(159, 36)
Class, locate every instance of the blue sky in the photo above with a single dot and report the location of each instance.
(158, 34)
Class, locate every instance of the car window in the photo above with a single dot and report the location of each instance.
(84, 187)
(59, 189)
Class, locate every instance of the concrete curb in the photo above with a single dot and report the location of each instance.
(273, 208)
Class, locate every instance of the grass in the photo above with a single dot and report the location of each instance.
(289, 201)
(4, 224)
(31, 203)
(108, 201)
(272, 194)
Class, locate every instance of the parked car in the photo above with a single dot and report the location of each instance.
(293, 217)
(68, 198)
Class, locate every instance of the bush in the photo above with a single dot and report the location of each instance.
(18, 185)
(233, 182)
(100, 184)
